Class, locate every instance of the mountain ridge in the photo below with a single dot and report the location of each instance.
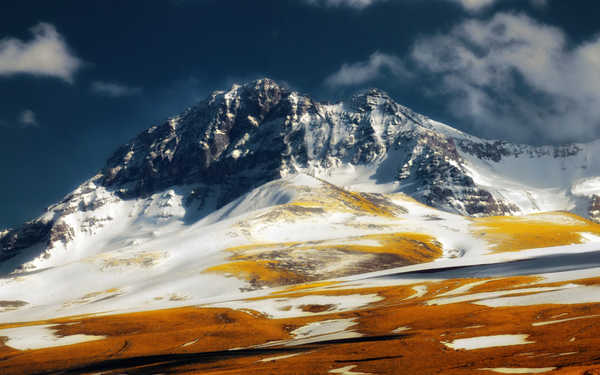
(239, 139)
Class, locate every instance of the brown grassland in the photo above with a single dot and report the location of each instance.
(514, 233)
(202, 340)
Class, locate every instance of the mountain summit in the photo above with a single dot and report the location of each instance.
(237, 140)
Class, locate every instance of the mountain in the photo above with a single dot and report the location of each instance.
(237, 140)
(260, 226)
(259, 132)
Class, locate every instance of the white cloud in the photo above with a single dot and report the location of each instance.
(471, 6)
(114, 89)
(45, 54)
(362, 72)
(28, 119)
(515, 73)
(25, 119)
(474, 5)
(356, 4)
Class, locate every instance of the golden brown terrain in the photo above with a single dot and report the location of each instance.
(403, 333)
(314, 309)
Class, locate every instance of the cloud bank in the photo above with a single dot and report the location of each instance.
(114, 89)
(356, 4)
(25, 119)
(511, 71)
(28, 119)
(376, 66)
(508, 76)
(474, 5)
(46, 54)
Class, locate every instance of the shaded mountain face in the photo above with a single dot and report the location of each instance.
(240, 139)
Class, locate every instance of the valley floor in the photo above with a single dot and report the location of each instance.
(509, 317)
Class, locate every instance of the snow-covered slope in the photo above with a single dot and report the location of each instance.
(144, 254)
(537, 179)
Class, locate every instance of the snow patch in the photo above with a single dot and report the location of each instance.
(482, 342)
(324, 327)
(277, 358)
(346, 371)
(463, 289)
(570, 295)
(586, 187)
(517, 370)
(487, 296)
(279, 308)
(537, 324)
(41, 336)
(589, 237)
(420, 291)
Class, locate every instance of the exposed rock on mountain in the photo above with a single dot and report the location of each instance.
(258, 132)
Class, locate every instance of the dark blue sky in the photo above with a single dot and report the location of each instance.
(92, 74)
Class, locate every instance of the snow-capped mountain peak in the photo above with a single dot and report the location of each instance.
(234, 141)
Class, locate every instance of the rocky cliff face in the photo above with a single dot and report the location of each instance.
(238, 139)
(258, 132)
(30, 234)
(206, 144)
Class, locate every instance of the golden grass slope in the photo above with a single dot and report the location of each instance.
(395, 243)
(289, 263)
(514, 233)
